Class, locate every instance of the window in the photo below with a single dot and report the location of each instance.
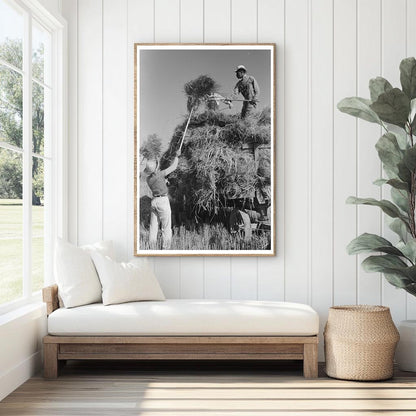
(31, 140)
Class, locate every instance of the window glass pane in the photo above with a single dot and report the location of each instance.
(38, 229)
(38, 118)
(11, 226)
(41, 46)
(11, 107)
(11, 34)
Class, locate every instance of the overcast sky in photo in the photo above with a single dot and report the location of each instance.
(163, 74)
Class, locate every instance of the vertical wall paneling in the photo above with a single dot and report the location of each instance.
(244, 21)
(192, 31)
(191, 21)
(326, 50)
(192, 277)
(244, 278)
(168, 271)
(140, 22)
(217, 29)
(167, 18)
(393, 51)
(70, 11)
(411, 28)
(271, 28)
(368, 162)
(217, 283)
(244, 29)
(411, 51)
(296, 152)
(167, 29)
(321, 149)
(114, 124)
(217, 21)
(90, 129)
(345, 151)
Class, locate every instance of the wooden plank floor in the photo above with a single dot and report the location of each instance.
(213, 388)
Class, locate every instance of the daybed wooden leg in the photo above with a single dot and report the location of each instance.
(310, 360)
(50, 360)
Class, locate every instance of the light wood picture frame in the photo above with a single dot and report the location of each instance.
(204, 143)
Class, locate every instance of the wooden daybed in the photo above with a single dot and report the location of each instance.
(59, 348)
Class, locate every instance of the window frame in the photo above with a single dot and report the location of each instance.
(57, 226)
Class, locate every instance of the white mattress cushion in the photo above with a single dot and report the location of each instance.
(187, 317)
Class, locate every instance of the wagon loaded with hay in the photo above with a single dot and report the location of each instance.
(224, 172)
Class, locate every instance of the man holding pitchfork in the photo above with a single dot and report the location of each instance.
(248, 87)
(160, 205)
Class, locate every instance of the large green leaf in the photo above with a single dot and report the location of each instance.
(404, 173)
(401, 199)
(408, 249)
(394, 269)
(392, 107)
(412, 116)
(359, 107)
(411, 289)
(397, 280)
(390, 173)
(380, 182)
(366, 243)
(378, 86)
(398, 184)
(389, 151)
(410, 272)
(410, 158)
(400, 228)
(401, 137)
(395, 183)
(381, 263)
(388, 207)
(408, 77)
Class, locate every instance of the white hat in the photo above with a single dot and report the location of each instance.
(151, 166)
(241, 67)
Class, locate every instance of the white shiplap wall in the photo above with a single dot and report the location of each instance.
(326, 50)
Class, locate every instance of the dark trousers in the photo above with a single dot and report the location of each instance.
(247, 109)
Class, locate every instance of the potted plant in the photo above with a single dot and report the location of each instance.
(394, 109)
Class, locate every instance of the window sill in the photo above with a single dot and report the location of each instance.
(34, 306)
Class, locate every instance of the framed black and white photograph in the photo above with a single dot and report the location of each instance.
(204, 150)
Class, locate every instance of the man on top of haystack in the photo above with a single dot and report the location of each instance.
(249, 88)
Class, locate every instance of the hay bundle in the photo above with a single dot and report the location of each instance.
(264, 117)
(252, 130)
(215, 167)
(264, 166)
(198, 88)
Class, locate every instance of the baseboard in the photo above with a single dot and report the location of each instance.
(10, 380)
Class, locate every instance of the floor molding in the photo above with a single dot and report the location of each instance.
(11, 379)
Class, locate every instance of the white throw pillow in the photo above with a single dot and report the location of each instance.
(104, 247)
(126, 282)
(75, 273)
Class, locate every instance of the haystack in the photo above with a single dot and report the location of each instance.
(217, 164)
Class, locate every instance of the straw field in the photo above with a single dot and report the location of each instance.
(207, 237)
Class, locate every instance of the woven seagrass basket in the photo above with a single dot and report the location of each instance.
(360, 341)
